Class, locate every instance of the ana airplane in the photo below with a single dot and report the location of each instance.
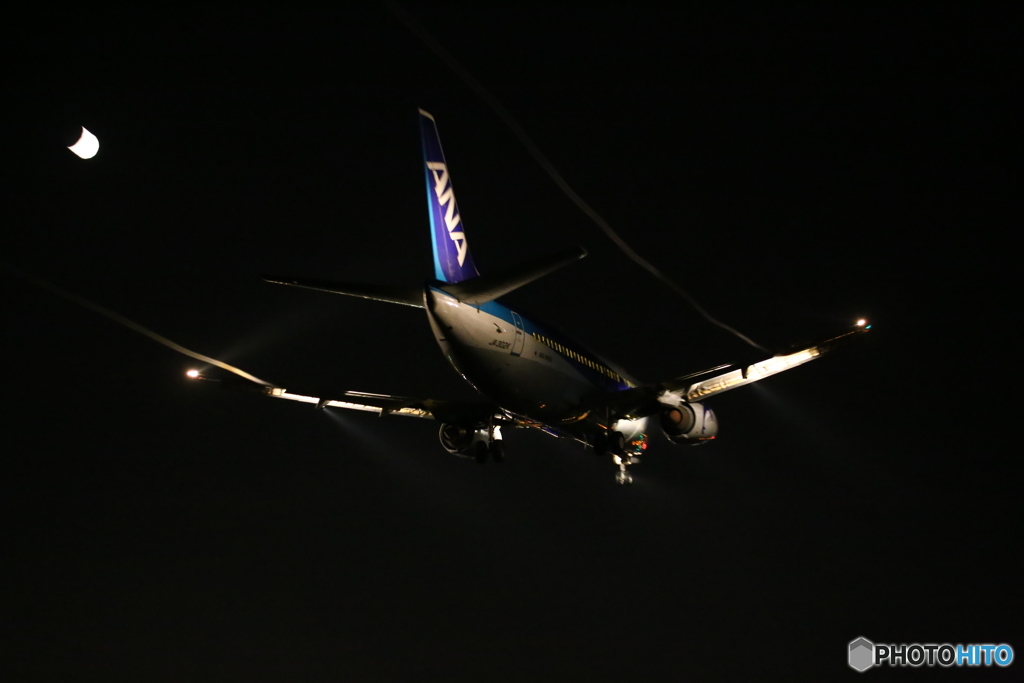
(528, 374)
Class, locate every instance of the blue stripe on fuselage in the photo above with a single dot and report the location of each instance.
(504, 313)
(438, 273)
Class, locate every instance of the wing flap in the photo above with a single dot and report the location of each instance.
(647, 399)
(381, 404)
(749, 374)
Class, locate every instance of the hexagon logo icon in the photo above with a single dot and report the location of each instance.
(862, 654)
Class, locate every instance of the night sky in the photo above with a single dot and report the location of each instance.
(792, 170)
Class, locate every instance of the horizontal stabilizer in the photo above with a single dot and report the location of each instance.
(480, 290)
(407, 296)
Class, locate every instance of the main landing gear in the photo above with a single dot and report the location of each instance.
(479, 442)
(493, 449)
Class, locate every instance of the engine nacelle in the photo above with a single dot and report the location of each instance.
(459, 438)
(469, 440)
(690, 423)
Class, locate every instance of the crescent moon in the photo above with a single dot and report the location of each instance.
(87, 145)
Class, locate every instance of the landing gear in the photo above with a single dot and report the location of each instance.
(497, 450)
(492, 447)
(623, 477)
(614, 442)
(610, 442)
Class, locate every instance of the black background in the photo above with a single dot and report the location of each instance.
(794, 170)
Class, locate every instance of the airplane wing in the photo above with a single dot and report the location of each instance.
(645, 400)
(696, 391)
(381, 404)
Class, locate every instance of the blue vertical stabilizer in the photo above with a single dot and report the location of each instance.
(452, 260)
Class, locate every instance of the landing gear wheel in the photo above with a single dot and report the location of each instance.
(497, 450)
(480, 451)
(622, 477)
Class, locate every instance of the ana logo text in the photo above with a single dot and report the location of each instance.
(445, 195)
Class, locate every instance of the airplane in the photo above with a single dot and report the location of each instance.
(528, 374)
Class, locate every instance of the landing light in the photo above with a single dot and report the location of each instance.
(862, 322)
(192, 373)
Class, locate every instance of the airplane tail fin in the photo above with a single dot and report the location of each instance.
(452, 260)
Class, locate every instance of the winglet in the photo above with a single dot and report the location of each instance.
(452, 260)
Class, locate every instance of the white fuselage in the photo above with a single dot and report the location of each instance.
(527, 369)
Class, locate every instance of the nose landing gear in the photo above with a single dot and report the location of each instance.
(622, 477)
(614, 442)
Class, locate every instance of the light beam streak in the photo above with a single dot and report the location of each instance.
(130, 324)
(507, 118)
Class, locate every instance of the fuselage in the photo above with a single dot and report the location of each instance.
(527, 368)
(532, 372)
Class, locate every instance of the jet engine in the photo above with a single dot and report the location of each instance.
(690, 423)
(459, 438)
